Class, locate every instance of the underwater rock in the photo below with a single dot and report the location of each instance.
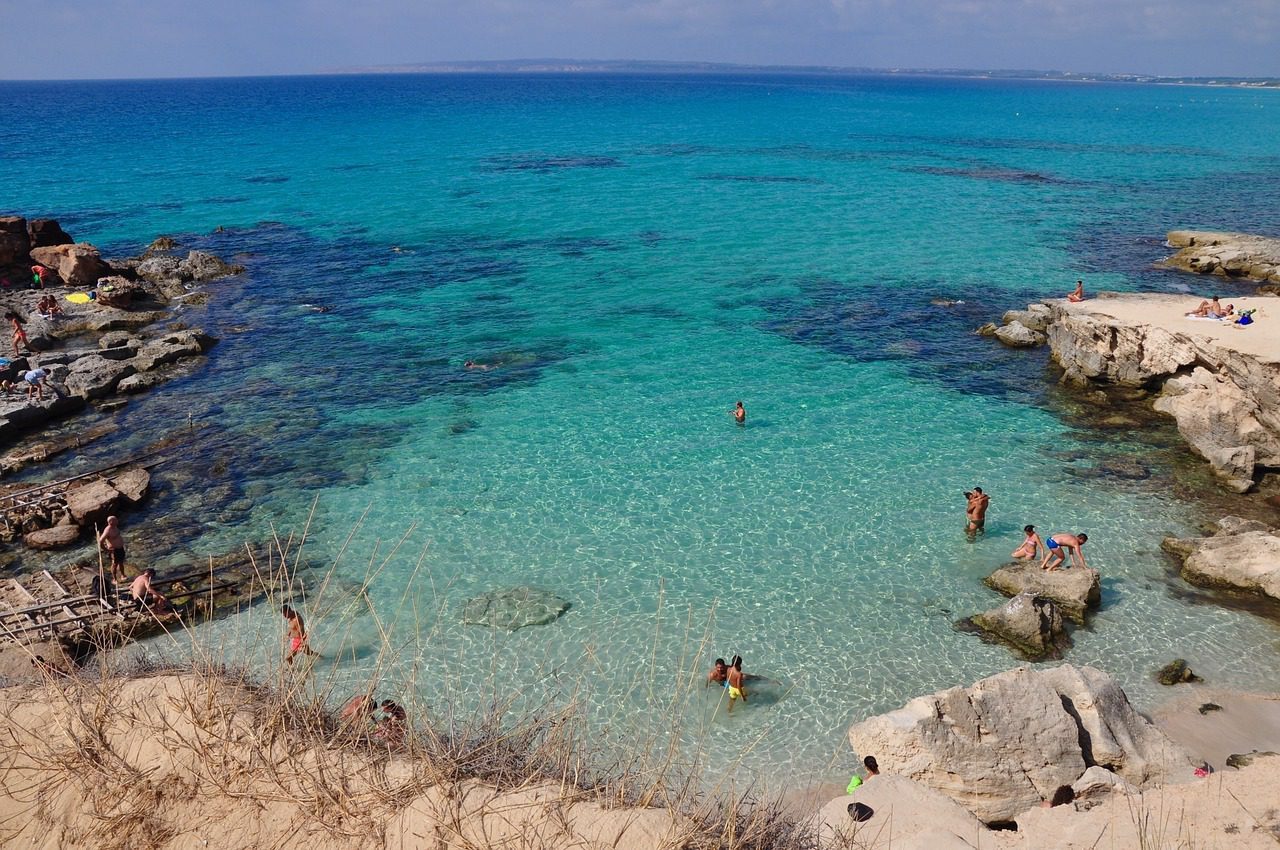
(1176, 672)
(513, 608)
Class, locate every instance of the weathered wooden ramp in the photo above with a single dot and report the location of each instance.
(72, 609)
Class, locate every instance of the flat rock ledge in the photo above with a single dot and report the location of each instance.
(1075, 591)
(1242, 555)
(1007, 742)
(513, 608)
(1028, 624)
(1228, 254)
(1220, 382)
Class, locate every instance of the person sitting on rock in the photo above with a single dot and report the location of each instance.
(1030, 547)
(1077, 294)
(1057, 547)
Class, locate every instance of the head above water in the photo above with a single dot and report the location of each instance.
(288, 612)
(720, 663)
(978, 490)
(736, 663)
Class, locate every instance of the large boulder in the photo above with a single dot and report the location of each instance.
(1242, 555)
(1029, 624)
(1074, 590)
(78, 265)
(57, 537)
(1017, 335)
(172, 347)
(1220, 421)
(95, 376)
(1008, 741)
(91, 502)
(44, 232)
(513, 608)
(1036, 317)
(132, 484)
(906, 815)
(15, 245)
(202, 266)
(159, 267)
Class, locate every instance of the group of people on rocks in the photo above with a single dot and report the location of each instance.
(1056, 547)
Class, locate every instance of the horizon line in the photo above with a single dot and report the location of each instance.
(551, 66)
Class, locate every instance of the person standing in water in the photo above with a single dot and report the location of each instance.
(719, 673)
(736, 680)
(740, 414)
(297, 634)
(976, 511)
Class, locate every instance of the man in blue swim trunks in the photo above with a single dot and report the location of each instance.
(1057, 547)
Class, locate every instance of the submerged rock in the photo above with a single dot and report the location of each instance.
(1075, 590)
(1002, 745)
(57, 537)
(1031, 625)
(1176, 672)
(513, 608)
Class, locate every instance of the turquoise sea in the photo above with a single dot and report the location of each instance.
(633, 255)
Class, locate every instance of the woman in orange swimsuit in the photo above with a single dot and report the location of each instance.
(19, 333)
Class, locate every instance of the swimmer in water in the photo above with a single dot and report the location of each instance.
(719, 674)
(483, 367)
(740, 414)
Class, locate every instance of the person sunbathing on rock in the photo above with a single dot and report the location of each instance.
(1078, 294)
(1030, 548)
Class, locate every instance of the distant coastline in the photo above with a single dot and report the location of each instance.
(593, 66)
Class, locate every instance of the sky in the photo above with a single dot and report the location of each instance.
(65, 39)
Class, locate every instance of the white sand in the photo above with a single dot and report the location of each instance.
(1168, 312)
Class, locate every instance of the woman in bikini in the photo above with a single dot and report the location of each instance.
(1030, 547)
(19, 333)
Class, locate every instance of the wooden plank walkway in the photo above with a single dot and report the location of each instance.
(39, 606)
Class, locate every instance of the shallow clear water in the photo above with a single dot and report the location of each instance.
(635, 255)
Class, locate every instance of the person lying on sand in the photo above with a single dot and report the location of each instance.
(1077, 294)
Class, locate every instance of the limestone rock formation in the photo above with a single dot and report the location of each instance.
(1242, 555)
(15, 244)
(1036, 317)
(513, 608)
(92, 502)
(57, 537)
(95, 376)
(1002, 745)
(77, 264)
(1228, 254)
(1074, 590)
(1226, 403)
(1030, 624)
(44, 232)
(1017, 335)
